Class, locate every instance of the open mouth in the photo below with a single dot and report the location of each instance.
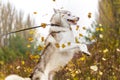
(72, 21)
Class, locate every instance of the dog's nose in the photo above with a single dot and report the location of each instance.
(78, 18)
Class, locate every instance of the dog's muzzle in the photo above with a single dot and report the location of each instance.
(73, 21)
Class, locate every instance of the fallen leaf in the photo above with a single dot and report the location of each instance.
(100, 35)
(76, 40)
(97, 28)
(42, 39)
(40, 47)
(77, 27)
(30, 39)
(18, 67)
(69, 43)
(80, 35)
(100, 24)
(101, 29)
(84, 28)
(94, 68)
(82, 58)
(105, 50)
(103, 59)
(28, 45)
(32, 32)
(57, 45)
(89, 15)
(118, 50)
(63, 45)
(22, 62)
(34, 12)
(100, 73)
(43, 25)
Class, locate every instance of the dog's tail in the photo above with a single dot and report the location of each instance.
(16, 77)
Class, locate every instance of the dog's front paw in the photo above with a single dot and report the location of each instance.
(84, 49)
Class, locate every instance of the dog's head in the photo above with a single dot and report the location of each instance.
(62, 17)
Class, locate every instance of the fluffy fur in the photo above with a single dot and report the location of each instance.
(15, 77)
(54, 58)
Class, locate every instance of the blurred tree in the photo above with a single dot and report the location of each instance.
(11, 20)
(13, 45)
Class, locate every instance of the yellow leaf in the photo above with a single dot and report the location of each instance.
(40, 48)
(30, 39)
(1, 62)
(100, 73)
(97, 28)
(101, 29)
(84, 28)
(69, 43)
(63, 45)
(100, 24)
(31, 56)
(43, 25)
(28, 45)
(76, 72)
(32, 32)
(73, 74)
(42, 39)
(80, 35)
(36, 56)
(82, 58)
(11, 66)
(89, 15)
(22, 62)
(57, 45)
(36, 60)
(105, 50)
(76, 40)
(77, 27)
(93, 78)
(92, 38)
(34, 12)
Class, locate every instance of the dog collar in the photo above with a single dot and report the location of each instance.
(58, 25)
(55, 25)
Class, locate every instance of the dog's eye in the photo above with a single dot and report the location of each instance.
(68, 14)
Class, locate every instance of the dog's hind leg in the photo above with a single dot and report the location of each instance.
(51, 75)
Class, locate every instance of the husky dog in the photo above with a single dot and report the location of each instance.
(56, 54)
(16, 77)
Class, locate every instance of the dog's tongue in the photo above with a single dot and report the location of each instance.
(75, 21)
(72, 21)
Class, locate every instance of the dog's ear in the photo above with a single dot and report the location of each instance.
(56, 10)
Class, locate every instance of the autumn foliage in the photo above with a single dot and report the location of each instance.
(20, 55)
